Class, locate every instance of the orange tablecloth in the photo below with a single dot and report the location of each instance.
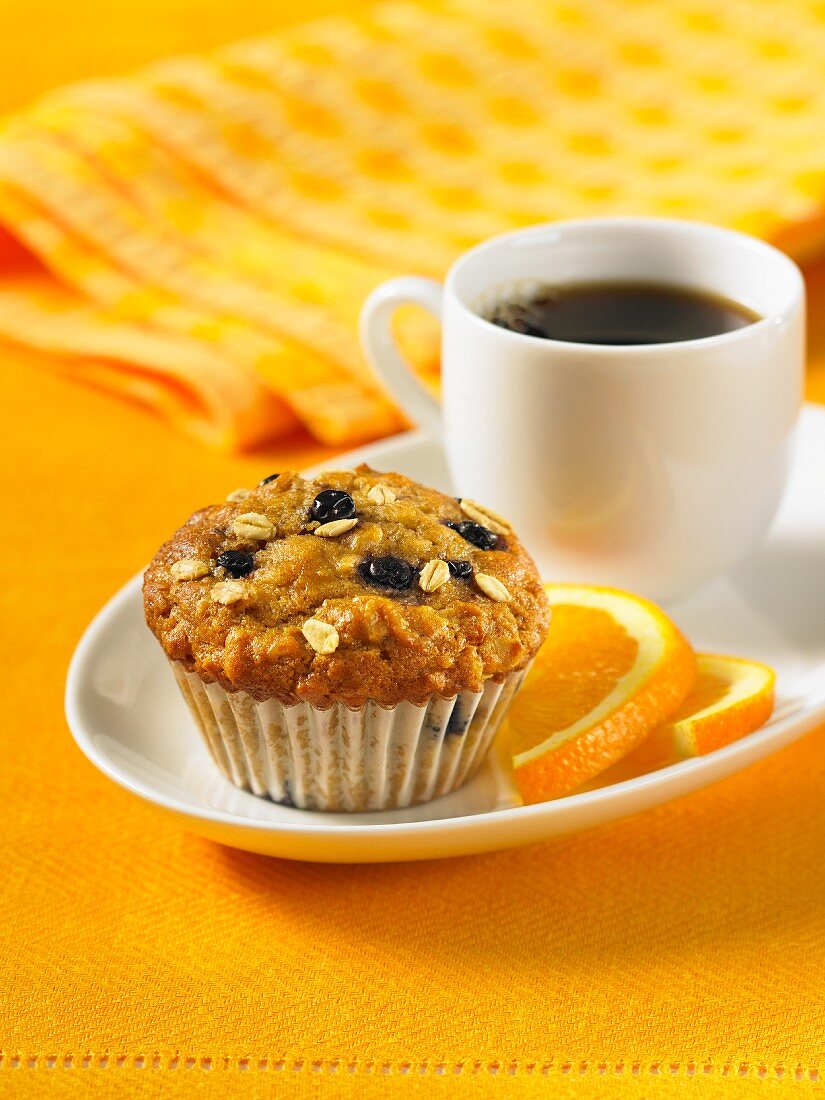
(680, 953)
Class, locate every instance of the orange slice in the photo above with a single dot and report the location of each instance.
(731, 697)
(613, 668)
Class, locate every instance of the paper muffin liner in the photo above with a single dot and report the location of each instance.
(344, 759)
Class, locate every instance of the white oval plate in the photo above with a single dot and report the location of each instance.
(126, 714)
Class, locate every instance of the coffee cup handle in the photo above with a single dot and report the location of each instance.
(393, 371)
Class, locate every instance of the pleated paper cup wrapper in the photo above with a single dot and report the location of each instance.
(343, 759)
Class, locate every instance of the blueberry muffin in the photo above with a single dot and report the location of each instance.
(348, 641)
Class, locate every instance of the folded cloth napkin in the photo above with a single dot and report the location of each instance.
(200, 235)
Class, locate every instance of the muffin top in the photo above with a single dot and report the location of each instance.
(349, 586)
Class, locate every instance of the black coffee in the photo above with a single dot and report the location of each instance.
(619, 313)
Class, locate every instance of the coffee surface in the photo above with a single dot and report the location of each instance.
(619, 313)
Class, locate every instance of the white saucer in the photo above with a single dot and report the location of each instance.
(126, 714)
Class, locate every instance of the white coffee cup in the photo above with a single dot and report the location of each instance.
(650, 467)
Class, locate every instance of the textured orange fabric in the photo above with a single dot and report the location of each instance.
(212, 224)
(681, 952)
(678, 954)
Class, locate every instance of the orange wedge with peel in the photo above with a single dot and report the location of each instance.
(612, 669)
(731, 697)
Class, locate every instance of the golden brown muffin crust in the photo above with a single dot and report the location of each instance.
(391, 645)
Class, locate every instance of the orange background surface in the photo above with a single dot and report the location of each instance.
(680, 953)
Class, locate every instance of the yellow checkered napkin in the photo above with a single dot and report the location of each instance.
(202, 234)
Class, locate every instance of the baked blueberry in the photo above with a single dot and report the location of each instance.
(332, 504)
(237, 563)
(474, 533)
(387, 572)
(460, 569)
(267, 479)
